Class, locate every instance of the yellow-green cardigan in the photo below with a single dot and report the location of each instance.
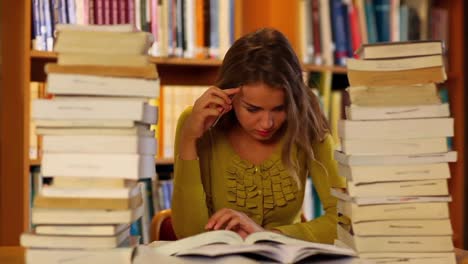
(265, 192)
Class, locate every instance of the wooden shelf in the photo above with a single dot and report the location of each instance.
(35, 162)
(47, 55)
(322, 68)
(165, 161)
(52, 56)
(168, 161)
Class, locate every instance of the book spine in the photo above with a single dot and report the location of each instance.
(214, 29)
(49, 25)
(71, 7)
(339, 32)
(382, 18)
(38, 39)
(370, 21)
(355, 34)
(107, 12)
(316, 32)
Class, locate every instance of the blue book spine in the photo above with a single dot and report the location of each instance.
(339, 32)
(382, 19)
(349, 42)
(166, 195)
(135, 229)
(214, 29)
(149, 195)
(370, 22)
(49, 25)
(38, 41)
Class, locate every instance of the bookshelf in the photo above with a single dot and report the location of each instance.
(22, 65)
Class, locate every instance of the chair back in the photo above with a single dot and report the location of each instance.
(161, 226)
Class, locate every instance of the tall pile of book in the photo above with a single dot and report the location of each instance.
(395, 154)
(97, 145)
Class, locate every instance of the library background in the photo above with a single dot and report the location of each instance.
(189, 45)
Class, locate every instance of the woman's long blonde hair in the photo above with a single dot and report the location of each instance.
(266, 56)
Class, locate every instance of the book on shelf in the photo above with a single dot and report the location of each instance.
(420, 227)
(271, 245)
(52, 191)
(76, 242)
(66, 216)
(141, 130)
(364, 244)
(378, 173)
(402, 77)
(95, 182)
(99, 144)
(396, 129)
(127, 166)
(411, 258)
(119, 255)
(88, 123)
(354, 112)
(400, 49)
(410, 146)
(42, 201)
(397, 211)
(147, 72)
(90, 108)
(394, 64)
(343, 158)
(437, 187)
(341, 194)
(77, 84)
(92, 27)
(102, 60)
(393, 95)
(103, 42)
(81, 230)
(34, 89)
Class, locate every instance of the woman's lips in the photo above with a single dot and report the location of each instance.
(263, 133)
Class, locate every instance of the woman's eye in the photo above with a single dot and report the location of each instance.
(279, 109)
(252, 110)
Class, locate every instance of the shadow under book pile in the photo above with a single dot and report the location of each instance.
(395, 150)
(97, 145)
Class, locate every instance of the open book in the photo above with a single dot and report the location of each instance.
(262, 244)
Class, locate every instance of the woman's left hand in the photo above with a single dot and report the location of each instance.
(229, 219)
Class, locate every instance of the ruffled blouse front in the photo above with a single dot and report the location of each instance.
(263, 191)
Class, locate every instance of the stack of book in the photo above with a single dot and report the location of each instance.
(97, 144)
(395, 155)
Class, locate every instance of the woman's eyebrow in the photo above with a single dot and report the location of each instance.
(258, 107)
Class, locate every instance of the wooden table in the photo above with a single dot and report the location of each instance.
(15, 255)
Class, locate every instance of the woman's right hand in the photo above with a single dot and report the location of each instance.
(212, 103)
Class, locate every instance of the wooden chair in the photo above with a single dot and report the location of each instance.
(161, 226)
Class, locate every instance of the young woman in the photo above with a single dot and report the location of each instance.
(247, 172)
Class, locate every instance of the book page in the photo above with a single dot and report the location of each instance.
(282, 239)
(212, 237)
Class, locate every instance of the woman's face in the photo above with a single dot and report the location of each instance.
(260, 110)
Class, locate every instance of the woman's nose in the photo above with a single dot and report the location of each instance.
(267, 121)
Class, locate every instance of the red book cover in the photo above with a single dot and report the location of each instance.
(107, 12)
(354, 26)
(99, 12)
(316, 32)
(130, 12)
